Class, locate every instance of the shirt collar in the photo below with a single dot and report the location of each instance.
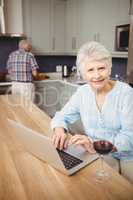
(21, 49)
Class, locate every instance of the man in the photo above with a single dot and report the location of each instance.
(22, 67)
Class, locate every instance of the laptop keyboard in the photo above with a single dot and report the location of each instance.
(68, 160)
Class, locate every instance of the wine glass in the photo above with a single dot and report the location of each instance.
(102, 147)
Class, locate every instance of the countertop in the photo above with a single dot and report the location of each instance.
(5, 83)
(71, 80)
(23, 176)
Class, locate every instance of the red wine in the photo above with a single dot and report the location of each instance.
(103, 146)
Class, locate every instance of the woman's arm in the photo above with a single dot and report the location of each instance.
(124, 139)
(69, 114)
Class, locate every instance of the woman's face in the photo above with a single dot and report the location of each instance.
(97, 74)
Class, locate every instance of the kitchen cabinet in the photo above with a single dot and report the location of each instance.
(13, 16)
(46, 98)
(51, 96)
(44, 25)
(72, 14)
(61, 27)
(48, 95)
(67, 91)
(5, 89)
(98, 19)
(37, 24)
(58, 33)
(50, 25)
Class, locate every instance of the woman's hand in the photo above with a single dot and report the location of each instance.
(60, 138)
(84, 141)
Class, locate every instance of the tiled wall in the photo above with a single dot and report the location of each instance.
(7, 45)
(49, 63)
(119, 67)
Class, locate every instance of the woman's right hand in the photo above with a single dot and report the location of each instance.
(60, 138)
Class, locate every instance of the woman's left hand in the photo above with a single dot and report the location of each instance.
(84, 141)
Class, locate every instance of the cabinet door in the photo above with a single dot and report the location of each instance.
(58, 26)
(48, 97)
(98, 19)
(66, 92)
(52, 96)
(37, 24)
(71, 42)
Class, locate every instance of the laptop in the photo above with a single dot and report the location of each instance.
(67, 161)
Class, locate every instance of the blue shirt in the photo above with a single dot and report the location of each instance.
(114, 122)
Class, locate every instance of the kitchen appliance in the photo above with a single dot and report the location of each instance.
(122, 37)
(2, 19)
(65, 71)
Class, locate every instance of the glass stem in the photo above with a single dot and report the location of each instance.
(101, 158)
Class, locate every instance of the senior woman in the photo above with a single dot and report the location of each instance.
(105, 106)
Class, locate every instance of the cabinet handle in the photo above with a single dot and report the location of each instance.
(94, 37)
(73, 43)
(53, 43)
(98, 37)
(130, 10)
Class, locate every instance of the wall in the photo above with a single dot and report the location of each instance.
(48, 64)
(7, 45)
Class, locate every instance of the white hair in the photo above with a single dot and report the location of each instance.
(93, 51)
(22, 43)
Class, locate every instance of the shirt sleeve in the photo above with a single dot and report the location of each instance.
(69, 113)
(124, 139)
(33, 63)
(8, 65)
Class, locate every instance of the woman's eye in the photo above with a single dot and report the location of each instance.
(90, 70)
(101, 68)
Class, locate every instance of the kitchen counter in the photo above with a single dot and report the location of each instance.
(5, 88)
(23, 176)
(72, 80)
(5, 83)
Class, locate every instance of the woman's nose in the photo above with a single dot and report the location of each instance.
(96, 74)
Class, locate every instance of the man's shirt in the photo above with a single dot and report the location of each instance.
(20, 65)
(114, 122)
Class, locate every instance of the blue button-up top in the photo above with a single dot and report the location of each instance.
(114, 122)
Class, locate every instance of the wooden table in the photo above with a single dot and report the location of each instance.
(23, 176)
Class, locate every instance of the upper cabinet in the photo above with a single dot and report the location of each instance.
(44, 24)
(58, 32)
(13, 16)
(62, 26)
(98, 19)
(71, 22)
(37, 24)
(50, 25)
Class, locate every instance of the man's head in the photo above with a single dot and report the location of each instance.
(26, 45)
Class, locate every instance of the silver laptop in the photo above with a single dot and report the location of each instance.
(67, 161)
